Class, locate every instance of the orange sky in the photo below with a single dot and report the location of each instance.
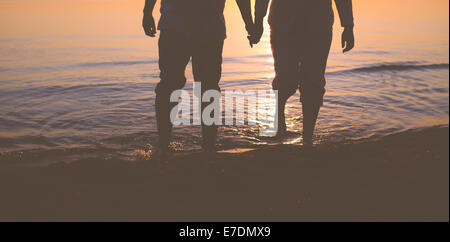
(123, 16)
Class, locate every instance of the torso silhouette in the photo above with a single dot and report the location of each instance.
(311, 14)
(194, 17)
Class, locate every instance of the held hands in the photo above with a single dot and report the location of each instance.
(348, 39)
(255, 32)
(148, 23)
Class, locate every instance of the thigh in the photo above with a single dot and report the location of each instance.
(285, 50)
(314, 56)
(174, 55)
(207, 63)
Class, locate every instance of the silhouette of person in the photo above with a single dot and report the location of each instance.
(189, 29)
(301, 35)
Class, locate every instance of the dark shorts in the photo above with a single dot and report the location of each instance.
(176, 50)
(300, 56)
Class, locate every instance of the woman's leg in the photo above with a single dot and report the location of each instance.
(314, 57)
(285, 54)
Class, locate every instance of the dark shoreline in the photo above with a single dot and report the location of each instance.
(400, 177)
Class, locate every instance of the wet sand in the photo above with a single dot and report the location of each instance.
(401, 177)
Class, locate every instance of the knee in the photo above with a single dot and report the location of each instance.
(210, 86)
(208, 81)
(312, 95)
(285, 87)
(312, 88)
(169, 83)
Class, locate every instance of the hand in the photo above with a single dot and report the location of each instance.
(249, 29)
(256, 33)
(148, 23)
(348, 39)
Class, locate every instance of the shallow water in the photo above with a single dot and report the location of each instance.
(80, 83)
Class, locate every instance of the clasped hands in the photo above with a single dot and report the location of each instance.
(255, 32)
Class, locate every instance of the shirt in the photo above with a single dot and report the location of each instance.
(194, 17)
(313, 13)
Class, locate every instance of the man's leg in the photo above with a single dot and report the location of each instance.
(312, 85)
(207, 68)
(286, 60)
(173, 58)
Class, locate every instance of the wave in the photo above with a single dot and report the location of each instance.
(41, 69)
(395, 67)
(118, 63)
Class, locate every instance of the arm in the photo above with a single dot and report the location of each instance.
(148, 23)
(261, 7)
(246, 12)
(345, 9)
